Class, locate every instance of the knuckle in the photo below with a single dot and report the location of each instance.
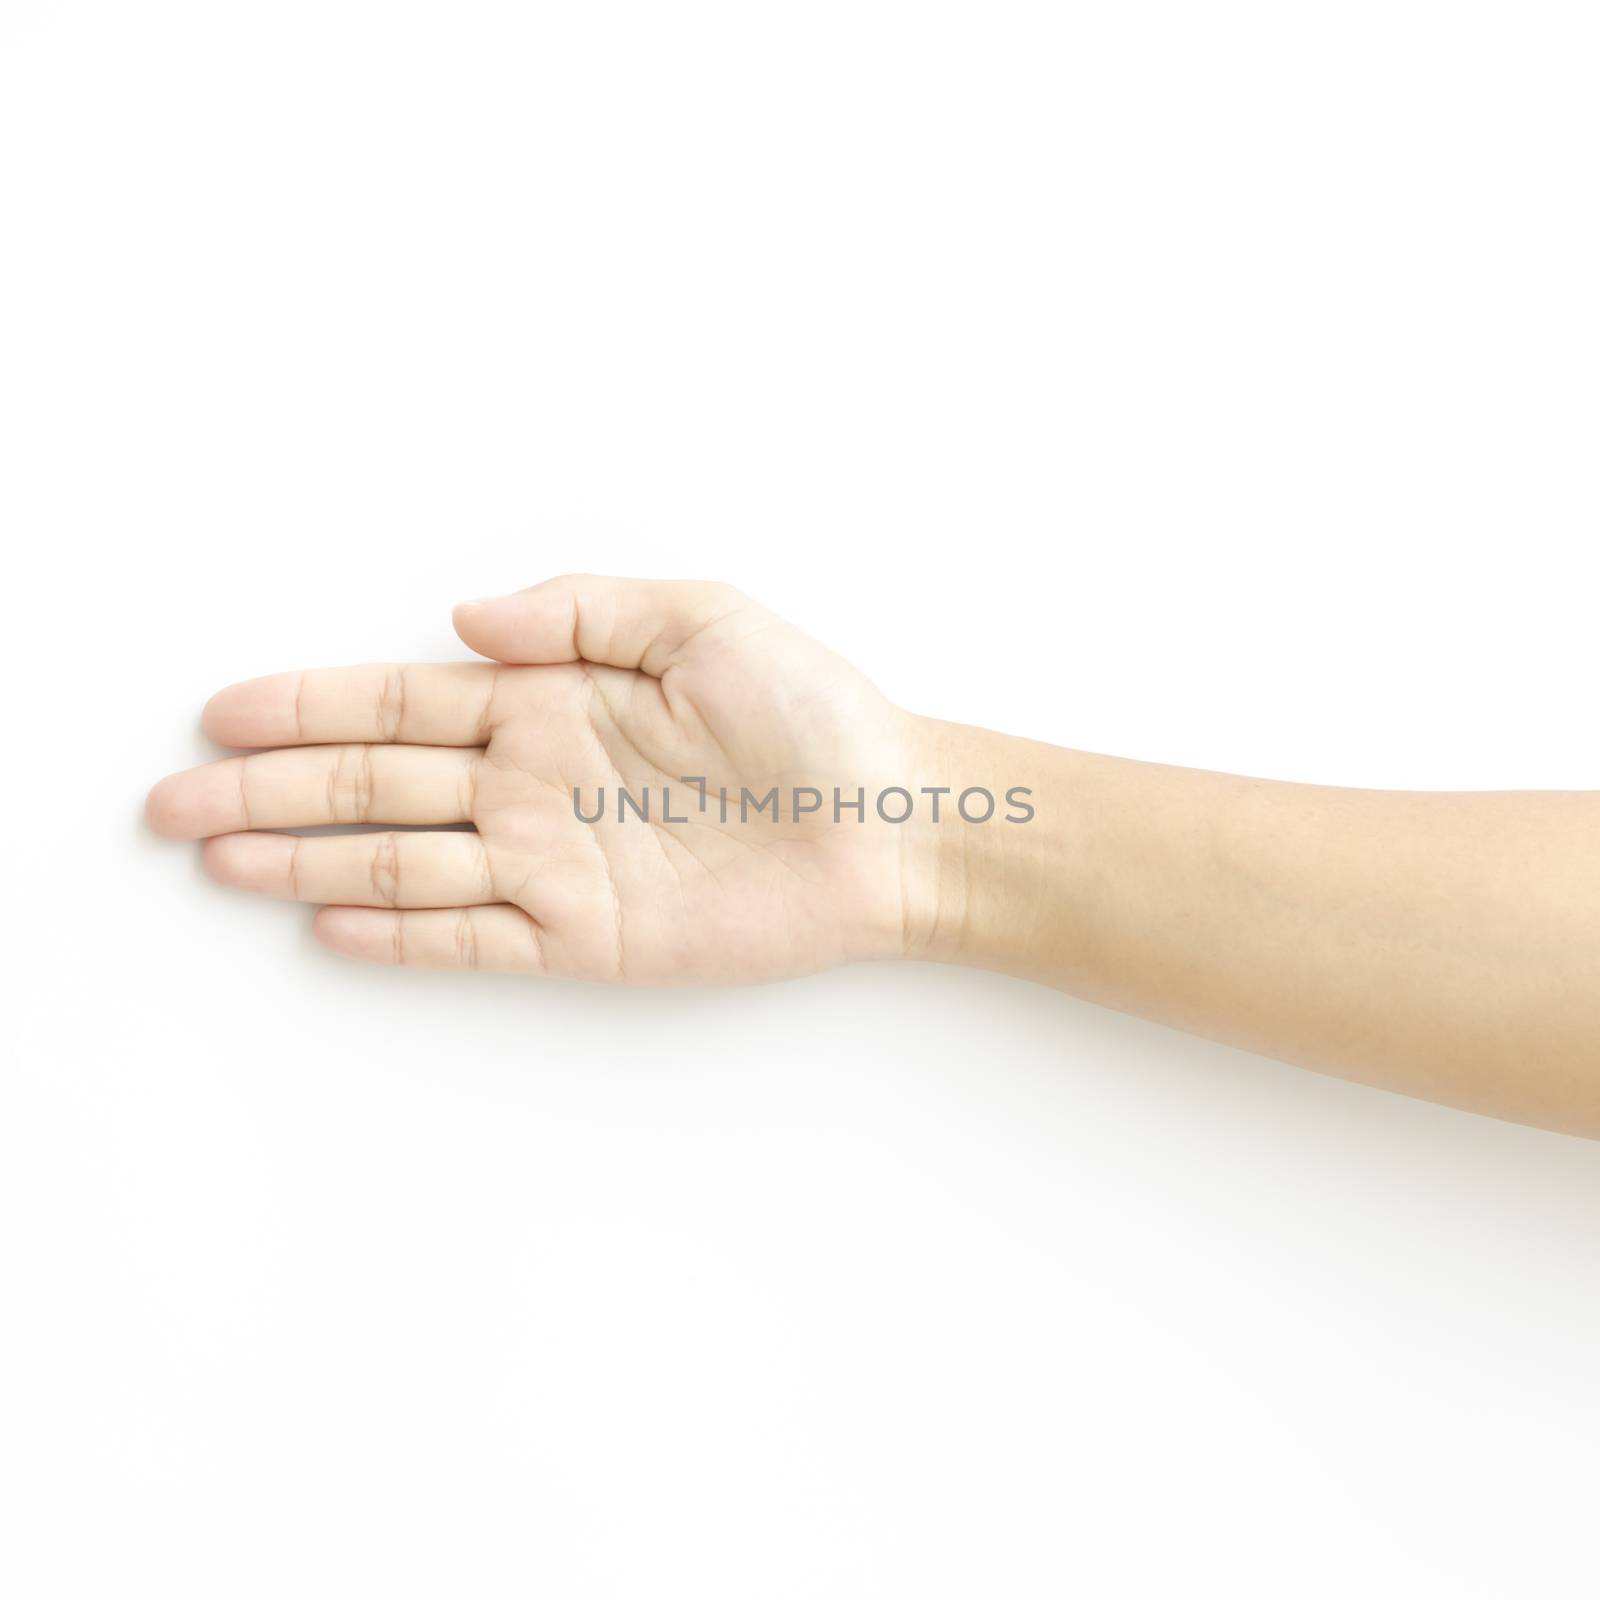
(345, 783)
(391, 711)
(467, 789)
(385, 869)
(364, 783)
(466, 938)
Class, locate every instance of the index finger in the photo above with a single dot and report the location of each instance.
(447, 704)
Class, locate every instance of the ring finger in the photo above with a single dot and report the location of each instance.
(398, 870)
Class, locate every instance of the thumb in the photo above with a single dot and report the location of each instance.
(635, 623)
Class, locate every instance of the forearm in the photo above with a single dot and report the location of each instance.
(1442, 944)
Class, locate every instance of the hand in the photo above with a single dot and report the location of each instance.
(599, 684)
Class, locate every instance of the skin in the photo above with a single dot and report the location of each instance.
(1443, 944)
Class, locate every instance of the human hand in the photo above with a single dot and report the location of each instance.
(596, 684)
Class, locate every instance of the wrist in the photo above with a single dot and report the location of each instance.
(973, 858)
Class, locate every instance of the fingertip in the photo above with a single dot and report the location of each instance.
(197, 803)
(472, 620)
(361, 932)
(534, 626)
(213, 717)
(164, 810)
(214, 859)
(331, 928)
(254, 714)
(248, 861)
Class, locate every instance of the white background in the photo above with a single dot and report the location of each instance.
(1214, 384)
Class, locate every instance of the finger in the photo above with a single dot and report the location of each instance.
(636, 623)
(370, 869)
(493, 938)
(335, 783)
(448, 705)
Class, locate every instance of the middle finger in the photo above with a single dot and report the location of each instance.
(315, 786)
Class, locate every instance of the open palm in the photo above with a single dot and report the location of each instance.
(596, 686)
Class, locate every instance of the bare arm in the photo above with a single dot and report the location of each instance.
(1446, 945)
(616, 757)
